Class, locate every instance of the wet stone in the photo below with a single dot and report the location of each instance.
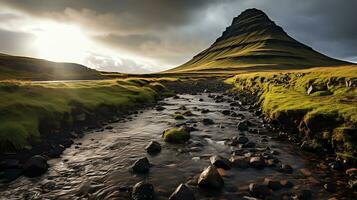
(35, 166)
(305, 195)
(220, 162)
(330, 187)
(259, 190)
(210, 178)
(141, 166)
(182, 192)
(143, 191)
(207, 121)
(239, 162)
(153, 147)
(257, 162)
(285, 169)
(272, 184)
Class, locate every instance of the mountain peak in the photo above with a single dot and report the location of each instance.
(251, 21)
(254, 42)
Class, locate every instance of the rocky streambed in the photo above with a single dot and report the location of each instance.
(231, 153)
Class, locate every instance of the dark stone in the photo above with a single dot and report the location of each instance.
(257, 162)
(242, 140)
(153, 147)
(286, 169)
(259, 190)
(239, 162)
(330, 187)
(210, 178)
(182, 192)
(35, 166)
(9, 175)
(243, 125)
(9, 164)
(141, 166)
(109, 127)
(248, 145)
(160, 108)
(143, 191)
(305, 195)
(272, 184)
(226, 112)
(220, 162)
(207, 121)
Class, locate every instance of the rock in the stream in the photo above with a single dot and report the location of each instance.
(226, 112)
(207, 121)
(176, 135)
(182, 192)
(248, 145)
(160, 108)
(242, 140)
(305, 194)
(243, 125)
(141, 166)
(259, 190)
(286, 169)
(257, 162)
(143, 191)
(153, 147)
(35, 166)
(272, 184)
(210, 178)
(220, 162)
(330, 187)
(239, 162)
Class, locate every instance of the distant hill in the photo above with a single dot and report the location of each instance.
(25, 68)
(254, 42)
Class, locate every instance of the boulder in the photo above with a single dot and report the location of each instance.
(141, 166)
(35, 166)
(182, 192)
(243, 125)
(153, 147)
(176, 135)
(210, 178)
(220, 162)
(143, 191)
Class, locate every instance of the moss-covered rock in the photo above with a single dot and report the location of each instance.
(176, 135)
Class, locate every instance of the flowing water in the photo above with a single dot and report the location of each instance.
(97, 166)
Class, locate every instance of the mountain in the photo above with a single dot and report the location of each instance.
(254, 42)
(25, 68)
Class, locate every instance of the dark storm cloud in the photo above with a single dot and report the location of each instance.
(171, 32)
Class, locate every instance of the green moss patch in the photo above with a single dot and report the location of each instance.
(176, 135)
(322, 100)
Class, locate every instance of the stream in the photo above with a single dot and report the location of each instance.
(97, 165)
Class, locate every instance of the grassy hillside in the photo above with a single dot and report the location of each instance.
(254, 43)
(24, 68)
(29, 110)
(321, 102)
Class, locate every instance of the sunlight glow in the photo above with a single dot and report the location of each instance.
(59, 42)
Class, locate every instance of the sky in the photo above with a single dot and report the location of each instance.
(141, 36)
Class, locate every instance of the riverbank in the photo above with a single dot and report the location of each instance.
(43, 117)
(318, 105)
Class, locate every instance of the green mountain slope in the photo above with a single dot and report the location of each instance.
(254, 42)
(24, 68)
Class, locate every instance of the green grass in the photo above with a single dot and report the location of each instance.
(25, 106)
(327, 112)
